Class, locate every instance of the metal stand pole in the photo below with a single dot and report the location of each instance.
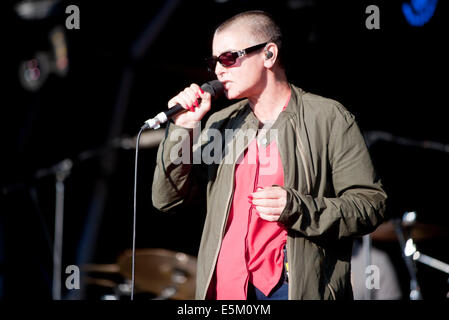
(415, 291)
(367, 257)
(427, 260)
(411, 253)
(61, 175)
(431, 262)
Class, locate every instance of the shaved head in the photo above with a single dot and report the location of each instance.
(260, 26)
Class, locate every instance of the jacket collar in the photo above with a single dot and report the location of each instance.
(250, 119)
(295, 100)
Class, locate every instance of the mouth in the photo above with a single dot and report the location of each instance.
(226, 84)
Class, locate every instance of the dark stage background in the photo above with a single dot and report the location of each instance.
(393, 79)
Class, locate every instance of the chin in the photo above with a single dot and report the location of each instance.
(232, 95)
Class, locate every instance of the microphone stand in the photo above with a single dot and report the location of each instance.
(61, 171)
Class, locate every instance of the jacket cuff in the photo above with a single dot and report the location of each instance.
(293, 208)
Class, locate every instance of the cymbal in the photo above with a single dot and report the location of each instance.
(101, 282)
(157, 270)
(101, 268)
(418, 231)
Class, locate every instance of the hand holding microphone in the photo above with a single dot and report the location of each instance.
(194, 99)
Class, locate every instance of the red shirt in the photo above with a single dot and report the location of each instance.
(252, 248)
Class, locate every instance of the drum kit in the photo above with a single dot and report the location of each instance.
(160, 274)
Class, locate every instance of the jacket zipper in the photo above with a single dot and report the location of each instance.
(256, 183)
(289, 268)
(223, 226)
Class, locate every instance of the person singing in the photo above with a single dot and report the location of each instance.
(284, 205)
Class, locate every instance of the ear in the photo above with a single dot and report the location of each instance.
(271, 53)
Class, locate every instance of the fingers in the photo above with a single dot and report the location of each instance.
(269, 193)
(269, 213)
(269, 202)
(205, 99)
(269, 210)
(179, 99)
(189, 97)
(270, 218)
(185, 98)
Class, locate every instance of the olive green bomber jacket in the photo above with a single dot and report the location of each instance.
(333, 193)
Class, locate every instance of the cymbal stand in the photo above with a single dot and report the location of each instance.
(409, 251)
(415, 291)
(412, 252)
(431, 262)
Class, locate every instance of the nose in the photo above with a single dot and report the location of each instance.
(219, 69)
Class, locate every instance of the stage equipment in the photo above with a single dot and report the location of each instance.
(163, 273)
(168, 274)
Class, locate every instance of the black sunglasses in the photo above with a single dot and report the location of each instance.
(229, 58)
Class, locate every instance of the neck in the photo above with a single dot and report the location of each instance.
(268, 104)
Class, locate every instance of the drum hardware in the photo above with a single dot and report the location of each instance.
(161, 273)
(407, 219)
(165, 273)
(410, 253)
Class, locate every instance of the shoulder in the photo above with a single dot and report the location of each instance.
(321, 108)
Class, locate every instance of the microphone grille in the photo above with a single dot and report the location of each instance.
(214, 87)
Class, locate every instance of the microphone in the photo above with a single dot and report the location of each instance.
(214, 87)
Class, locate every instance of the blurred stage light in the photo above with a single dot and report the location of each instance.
(61, 60)
(419, 12)
(35, 10)
(34, 71)
(300, 4)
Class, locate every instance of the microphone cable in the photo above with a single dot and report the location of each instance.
(133, 264)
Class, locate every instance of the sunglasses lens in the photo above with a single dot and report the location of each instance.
(227, 59)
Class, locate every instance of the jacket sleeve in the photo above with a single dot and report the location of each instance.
(358, 206)
(174, 184)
